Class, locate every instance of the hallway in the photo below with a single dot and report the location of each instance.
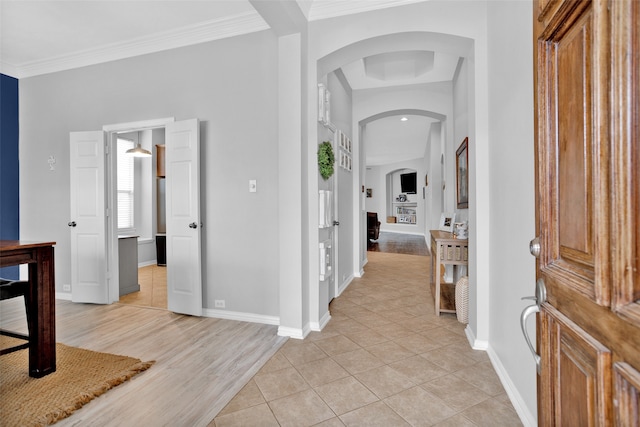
(384, 359)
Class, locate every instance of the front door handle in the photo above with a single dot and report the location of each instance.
(72, 224)
(540, 298)
(193, 225)
(336, 222)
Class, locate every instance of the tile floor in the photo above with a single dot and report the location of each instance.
(384, 359)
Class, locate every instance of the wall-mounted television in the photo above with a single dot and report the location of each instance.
(409, 182)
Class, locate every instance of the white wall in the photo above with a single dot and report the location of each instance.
(294, 298)
(434, 206)
(231, 86)
(341, 116)
(511, 166)
(460, 125)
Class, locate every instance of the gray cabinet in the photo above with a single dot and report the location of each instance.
(128, 264)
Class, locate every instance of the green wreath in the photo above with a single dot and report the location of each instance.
(325, 159)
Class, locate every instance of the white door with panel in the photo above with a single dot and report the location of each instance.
(184, 274)
(87, 224)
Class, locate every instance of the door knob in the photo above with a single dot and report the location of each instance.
(534, 247)
(193, 225)
(336, 222)
(72, 224)
(541, 297)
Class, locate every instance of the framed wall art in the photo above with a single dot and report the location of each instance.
(462, 174)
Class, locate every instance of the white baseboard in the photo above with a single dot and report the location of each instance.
(413, 233)
(527, 418)
(365, 262)
(297, 333)
(475, 343)
(243, 317)
(146, 263)
(344, 285)
(318, 326)
(66, 296)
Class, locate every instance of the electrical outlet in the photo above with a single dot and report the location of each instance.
(219, 303)
(253, 186)
(66, 288)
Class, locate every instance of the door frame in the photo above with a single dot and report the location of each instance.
(334, 233)
(112, 193)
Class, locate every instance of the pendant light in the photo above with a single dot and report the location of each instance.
(138, 151)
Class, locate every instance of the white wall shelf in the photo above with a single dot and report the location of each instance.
(405, 212)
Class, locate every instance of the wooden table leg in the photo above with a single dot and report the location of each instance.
(41, 314)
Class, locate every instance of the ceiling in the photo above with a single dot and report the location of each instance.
(39, 37)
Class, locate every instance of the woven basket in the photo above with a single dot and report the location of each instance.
(462, 299)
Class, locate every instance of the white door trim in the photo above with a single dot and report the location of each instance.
(139, 125)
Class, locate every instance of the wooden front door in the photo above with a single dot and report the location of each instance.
(588, 223)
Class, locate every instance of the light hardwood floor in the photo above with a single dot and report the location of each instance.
(201, 363)
(153, 288)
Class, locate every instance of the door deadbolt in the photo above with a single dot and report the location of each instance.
(534, 247)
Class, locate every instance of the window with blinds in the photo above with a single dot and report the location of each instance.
(126, 194)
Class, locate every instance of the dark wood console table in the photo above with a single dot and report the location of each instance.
(42, 306)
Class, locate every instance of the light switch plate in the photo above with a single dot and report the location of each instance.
(252, 186)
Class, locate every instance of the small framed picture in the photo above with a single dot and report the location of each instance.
(446, 221)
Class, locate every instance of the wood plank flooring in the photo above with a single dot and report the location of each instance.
(399, 243)
(153, 288)
(201, 363)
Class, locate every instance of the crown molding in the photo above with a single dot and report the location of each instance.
(330, 9)
(9, 70)
(185, 36)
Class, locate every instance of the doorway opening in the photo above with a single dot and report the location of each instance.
(95, 260)
(139, 232)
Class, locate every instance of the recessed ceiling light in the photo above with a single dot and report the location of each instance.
(404, 119)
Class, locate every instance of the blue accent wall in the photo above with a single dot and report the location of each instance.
(9, 167)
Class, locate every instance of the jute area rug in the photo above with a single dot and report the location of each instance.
(81, 375)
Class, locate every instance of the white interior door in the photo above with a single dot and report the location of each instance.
(89, 275)
(184, 275)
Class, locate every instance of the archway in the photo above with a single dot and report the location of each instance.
(332, 61)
